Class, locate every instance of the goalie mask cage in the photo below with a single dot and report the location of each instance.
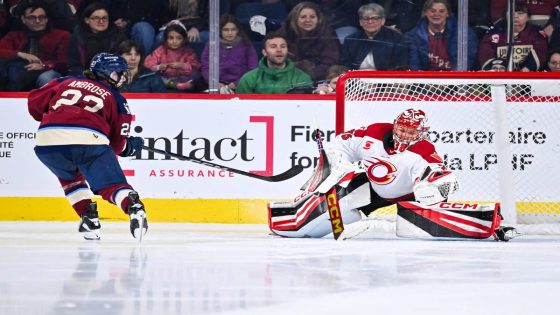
(499, 132)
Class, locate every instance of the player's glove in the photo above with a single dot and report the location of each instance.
(435, 186)
(133, 145)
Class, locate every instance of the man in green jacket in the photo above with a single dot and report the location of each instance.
(276, 73)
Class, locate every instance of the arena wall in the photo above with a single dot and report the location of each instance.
(261, 133)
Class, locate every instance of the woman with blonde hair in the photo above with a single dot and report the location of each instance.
(312, 44)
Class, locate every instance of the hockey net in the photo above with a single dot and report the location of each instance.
(500, 133)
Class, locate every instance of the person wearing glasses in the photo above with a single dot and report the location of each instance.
(433, 42)
(313, 44)
(33, 56)
(375, 46)
(94, 34)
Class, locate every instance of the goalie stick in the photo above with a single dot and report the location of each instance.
(295, 170)
(332, 198)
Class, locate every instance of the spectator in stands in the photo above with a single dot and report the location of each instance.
(313, 45)
(139, 19)
(175, 61)
(194, 15)
(142, 80)
(529, 43)
(276, 73)
(553, 64)
(33, 56)
(375, 47)
(329, 85)
(539, 10)
(94, 34)
(62, 13)
(496, 65)
(433, 42)
(237, 55)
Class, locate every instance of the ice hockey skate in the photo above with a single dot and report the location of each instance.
(137, 214)
(505, 233)
(89, 223)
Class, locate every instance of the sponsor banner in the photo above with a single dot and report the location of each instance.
(465, 136)
(262, 136)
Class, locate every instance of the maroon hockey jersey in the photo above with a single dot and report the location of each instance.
(76, 110)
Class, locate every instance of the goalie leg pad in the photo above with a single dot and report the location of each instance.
(309, 216)
(447, 220)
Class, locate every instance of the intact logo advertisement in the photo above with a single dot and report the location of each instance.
(251, 136)
(228, 149)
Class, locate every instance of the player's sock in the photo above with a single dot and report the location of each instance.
(137, 214)
(89, 223)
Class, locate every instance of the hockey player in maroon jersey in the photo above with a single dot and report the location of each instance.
(85, 122)
(373, 167)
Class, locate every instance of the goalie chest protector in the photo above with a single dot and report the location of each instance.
(448, 220)
(391, 175)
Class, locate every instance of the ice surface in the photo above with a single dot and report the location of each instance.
(47, 268)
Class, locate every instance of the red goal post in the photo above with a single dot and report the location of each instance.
(476, 119)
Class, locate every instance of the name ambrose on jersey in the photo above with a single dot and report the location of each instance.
(190, 173)
(95, 89)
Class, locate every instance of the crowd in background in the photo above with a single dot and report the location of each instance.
(269, 46)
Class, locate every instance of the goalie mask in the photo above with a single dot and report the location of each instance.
(409, 127)
(111, 68)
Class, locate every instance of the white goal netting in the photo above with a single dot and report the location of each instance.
(499, 132)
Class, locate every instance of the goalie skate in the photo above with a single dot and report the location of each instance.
(89, 223)
(505, 233)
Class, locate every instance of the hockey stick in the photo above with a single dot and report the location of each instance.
(295, 170)
(332, 198)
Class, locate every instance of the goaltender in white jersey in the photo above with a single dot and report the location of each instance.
(377, 166)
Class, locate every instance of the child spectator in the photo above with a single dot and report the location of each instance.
(94, 34)
(33, 56)
(141, 80)
(313, 45)
(194, 15)
(329, 85)
(175, 61)
(237, 54)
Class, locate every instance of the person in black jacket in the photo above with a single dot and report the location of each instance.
(94, 34)
(375, 47)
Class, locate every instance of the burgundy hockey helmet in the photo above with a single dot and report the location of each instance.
(409, 127)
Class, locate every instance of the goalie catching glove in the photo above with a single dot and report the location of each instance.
(435, 186)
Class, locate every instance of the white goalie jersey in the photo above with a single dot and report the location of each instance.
(392, 175)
